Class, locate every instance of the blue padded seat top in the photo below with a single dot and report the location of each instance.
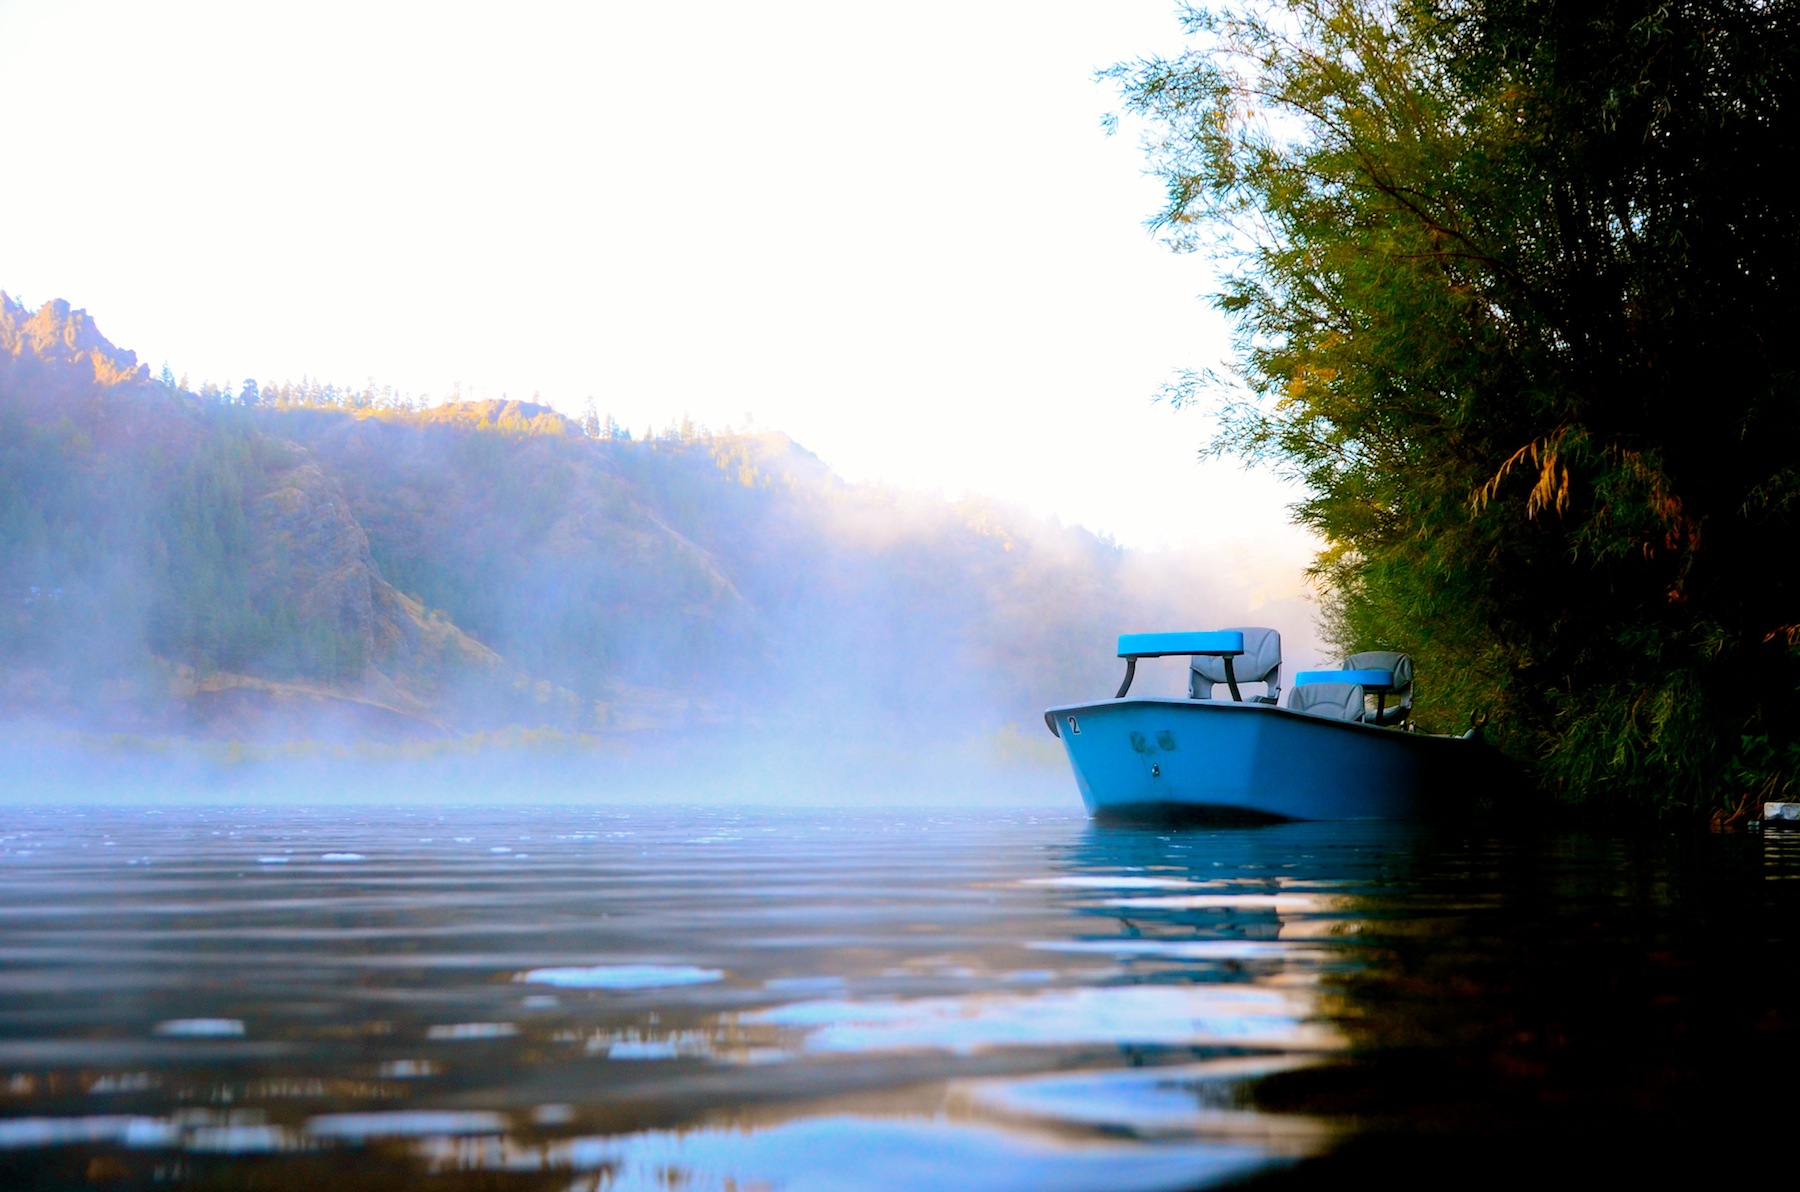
(1259, 663)
(1158, 645)
(1362, 678)
(1336, 701)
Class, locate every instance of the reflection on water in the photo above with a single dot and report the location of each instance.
(613, 1000)
(621, 1000)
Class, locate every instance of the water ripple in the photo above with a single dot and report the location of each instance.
(999, 1001)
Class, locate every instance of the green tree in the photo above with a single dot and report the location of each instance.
(1510, 281)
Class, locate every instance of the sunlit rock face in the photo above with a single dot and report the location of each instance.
(60, 344)
(127, 490)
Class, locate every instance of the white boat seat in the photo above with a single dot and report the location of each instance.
(1336, 701)
(1259, 663)
(1394, 704)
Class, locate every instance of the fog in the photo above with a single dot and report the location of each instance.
(49, 765)
(303, 594)
(849, 700)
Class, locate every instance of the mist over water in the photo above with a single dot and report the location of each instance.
(825, 766)
(877, 753)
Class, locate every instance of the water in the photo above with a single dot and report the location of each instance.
(613, 999)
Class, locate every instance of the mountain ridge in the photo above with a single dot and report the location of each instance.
(275, 563)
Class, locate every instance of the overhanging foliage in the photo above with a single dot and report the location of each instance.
(1513, 286)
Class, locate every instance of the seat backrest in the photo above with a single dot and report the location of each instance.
(1396, 704)
(1337, 701)
(1259, 663)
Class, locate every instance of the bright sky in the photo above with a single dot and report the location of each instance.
(895, 231)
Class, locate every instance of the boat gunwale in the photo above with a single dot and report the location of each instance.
(1052, 716)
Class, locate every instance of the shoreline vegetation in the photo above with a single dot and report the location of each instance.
(1513, 282)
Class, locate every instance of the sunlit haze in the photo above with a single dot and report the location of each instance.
(897, 233)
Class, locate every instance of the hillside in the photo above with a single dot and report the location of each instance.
(277, 564)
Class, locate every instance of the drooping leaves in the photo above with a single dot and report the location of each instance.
(1512, 282)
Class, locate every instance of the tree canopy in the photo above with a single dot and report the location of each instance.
(1511, 281)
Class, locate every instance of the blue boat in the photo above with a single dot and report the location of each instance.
(1343, 747)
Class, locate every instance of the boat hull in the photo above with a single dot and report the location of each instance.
(1201, 759)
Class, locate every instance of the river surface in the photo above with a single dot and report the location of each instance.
(617, 998)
